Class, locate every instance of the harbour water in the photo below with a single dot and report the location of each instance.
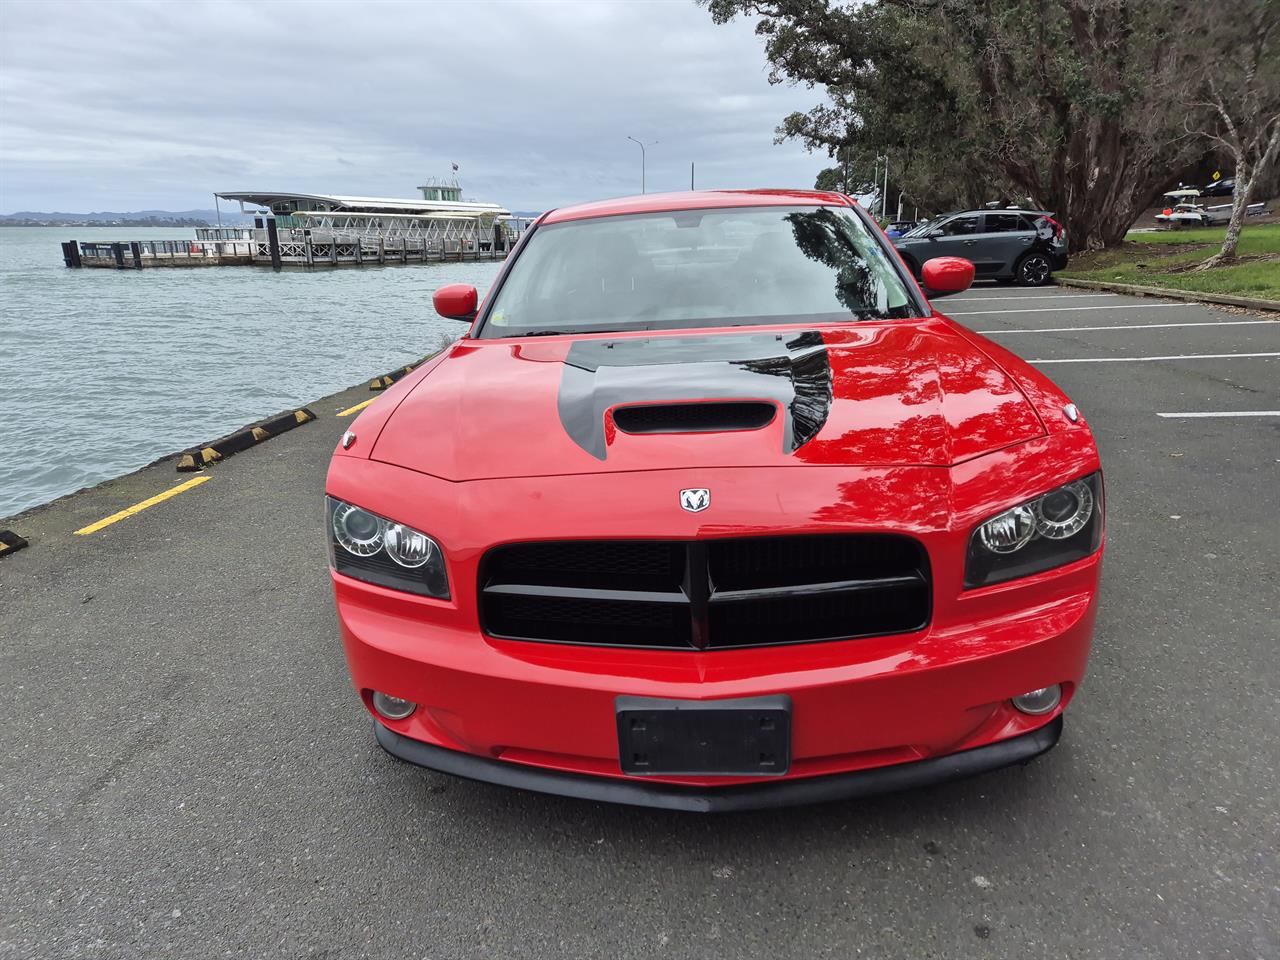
(101, 372)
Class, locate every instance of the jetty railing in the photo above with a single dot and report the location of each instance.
(170, 248)
(292, 248)
(224, 233)
(135, 254)
(327, 239)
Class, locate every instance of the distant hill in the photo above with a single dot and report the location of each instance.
(131, 218)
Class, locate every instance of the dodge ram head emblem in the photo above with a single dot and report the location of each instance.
(695, 501)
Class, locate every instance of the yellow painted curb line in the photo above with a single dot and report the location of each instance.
(357, 408)
(139, 507)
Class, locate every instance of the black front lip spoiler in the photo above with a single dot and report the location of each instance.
(752, 796)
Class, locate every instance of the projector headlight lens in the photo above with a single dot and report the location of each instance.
(368, 547)
(357, 531)
(1055, 528)
(1063, 512)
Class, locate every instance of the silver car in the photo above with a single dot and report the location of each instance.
(1009, 246)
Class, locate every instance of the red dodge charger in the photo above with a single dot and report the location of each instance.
(711, 510)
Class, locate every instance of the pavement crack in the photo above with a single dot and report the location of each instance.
(142, 743)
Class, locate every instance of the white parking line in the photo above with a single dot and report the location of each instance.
(1227, 413)
(1184, 356)
(1130, 306)
(1046, 296)
(1139, 326)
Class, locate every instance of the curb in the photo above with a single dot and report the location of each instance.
(10, 542)
(242, 439)
(387, 379)
(1252, 303)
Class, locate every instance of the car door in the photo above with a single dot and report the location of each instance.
(1006, 236)
(956, 239)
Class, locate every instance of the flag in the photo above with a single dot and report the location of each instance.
(455, 168)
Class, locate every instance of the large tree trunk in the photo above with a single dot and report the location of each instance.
(1098, 214)
(1240, 196)
(1247, 179)
(1103, 167)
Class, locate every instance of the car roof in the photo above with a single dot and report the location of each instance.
(697, 200)
(1033, 213)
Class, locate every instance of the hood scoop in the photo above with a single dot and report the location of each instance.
(694, 417)
(748, 373)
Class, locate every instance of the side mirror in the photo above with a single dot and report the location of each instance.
(944, 275)
(934, 233)
(457, 301)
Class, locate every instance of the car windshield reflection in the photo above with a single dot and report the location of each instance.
(694, 268)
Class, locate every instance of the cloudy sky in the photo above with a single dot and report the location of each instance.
(132, 105)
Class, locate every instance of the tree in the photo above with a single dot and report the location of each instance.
(1073, 103)
(1240, 98)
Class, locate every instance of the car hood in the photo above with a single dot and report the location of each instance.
(882, 394)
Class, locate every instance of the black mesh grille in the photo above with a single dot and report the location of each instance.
(693, 417)
(643, 564)
(588, 621)
(739, 592)
(756, 622)
(785, 561)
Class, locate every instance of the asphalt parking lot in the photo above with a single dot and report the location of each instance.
(187, 773)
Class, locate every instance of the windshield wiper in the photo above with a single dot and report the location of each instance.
(557, 333)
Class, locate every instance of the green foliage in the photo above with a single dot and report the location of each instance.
(1163, 260)
(1074, 103)
(1255, 238)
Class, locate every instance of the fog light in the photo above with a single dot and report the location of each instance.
(1035, 702)
(393, 708)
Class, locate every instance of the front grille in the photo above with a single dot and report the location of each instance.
(705, 594)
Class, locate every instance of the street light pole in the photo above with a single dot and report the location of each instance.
(641, 146)
(884, 195)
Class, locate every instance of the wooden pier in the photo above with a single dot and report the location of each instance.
(233, 247)
(321, 230)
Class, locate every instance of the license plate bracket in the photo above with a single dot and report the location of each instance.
(749, 736)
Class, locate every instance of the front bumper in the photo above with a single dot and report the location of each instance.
(869, 715)
(754, 796)
(901, 705)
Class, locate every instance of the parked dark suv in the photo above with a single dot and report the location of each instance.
(1010, 246)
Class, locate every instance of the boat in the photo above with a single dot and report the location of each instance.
(1181, 210)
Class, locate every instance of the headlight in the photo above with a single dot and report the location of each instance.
(372, 548)
(1058, 527)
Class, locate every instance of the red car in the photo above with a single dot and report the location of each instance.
(711, 510)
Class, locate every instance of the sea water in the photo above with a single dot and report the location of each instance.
(103, 371)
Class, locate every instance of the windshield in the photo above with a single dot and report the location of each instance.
(691, 268)
(924, 228)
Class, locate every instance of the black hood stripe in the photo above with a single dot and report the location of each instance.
(794, 371)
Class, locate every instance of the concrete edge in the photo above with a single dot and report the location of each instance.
(29, 513)
(202, 455)
(387, 379)
(1195, 296)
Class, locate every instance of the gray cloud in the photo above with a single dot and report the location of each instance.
(157, 104)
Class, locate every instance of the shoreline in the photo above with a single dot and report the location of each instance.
(129, 483)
